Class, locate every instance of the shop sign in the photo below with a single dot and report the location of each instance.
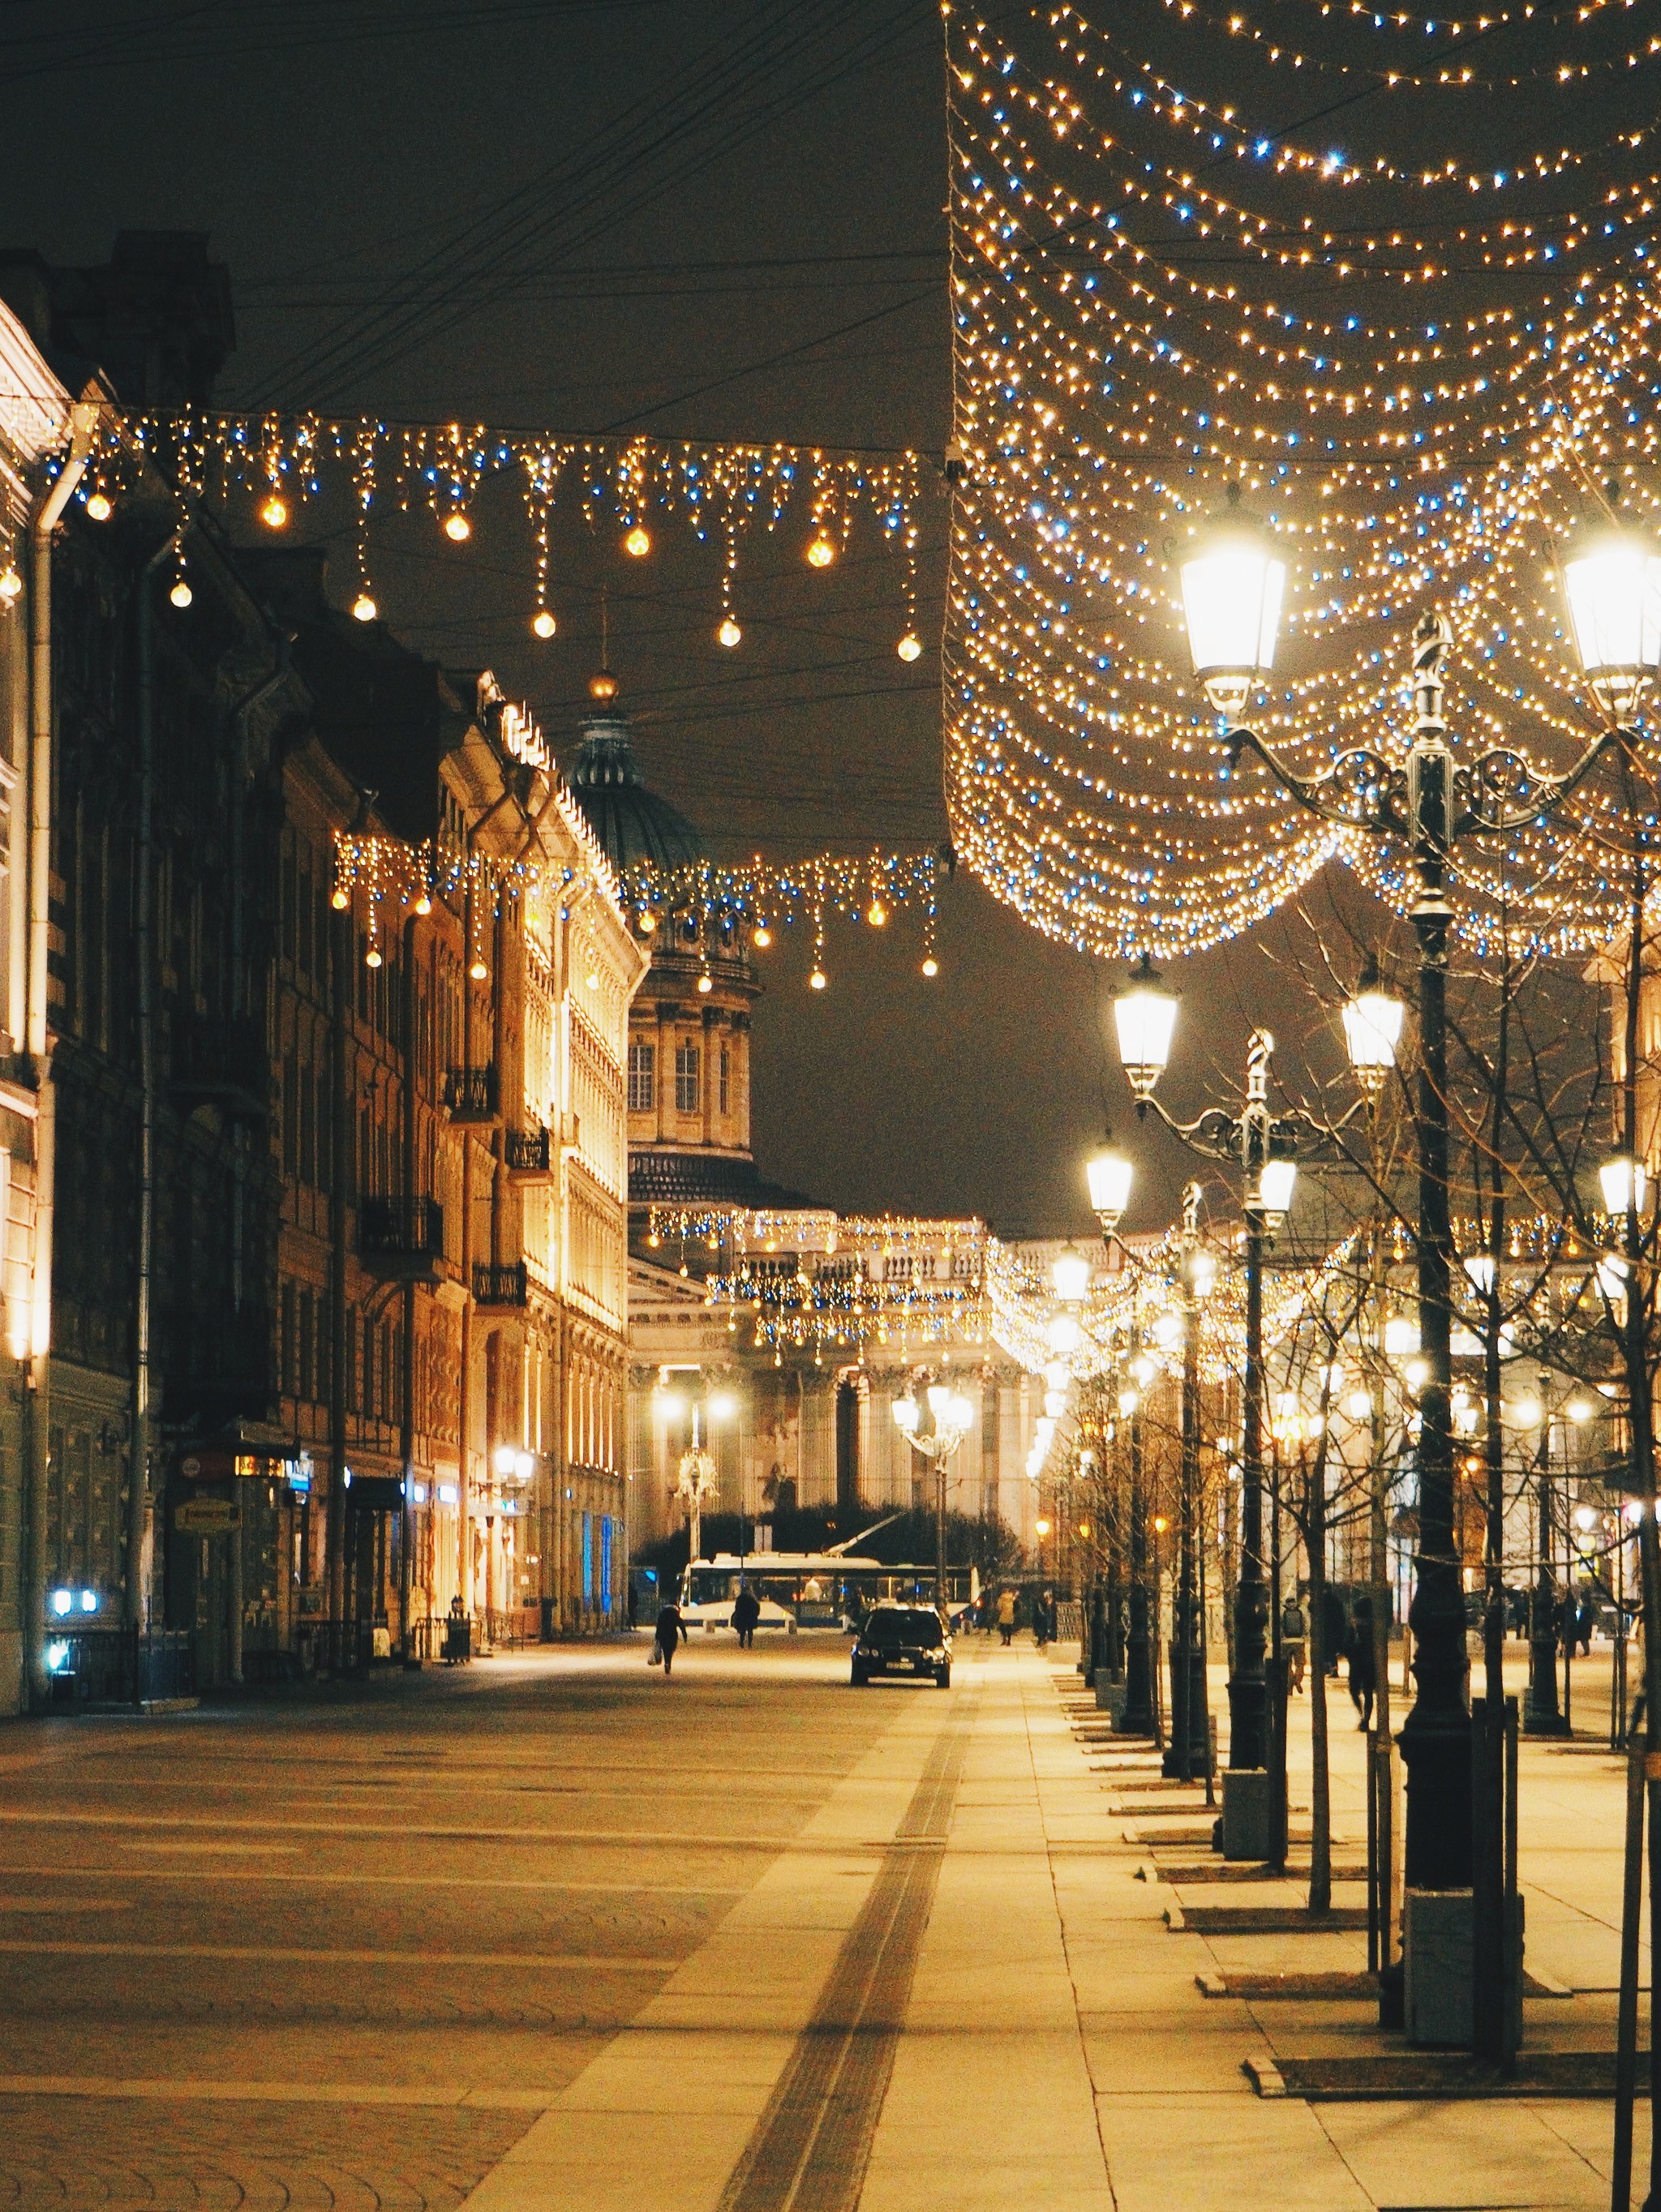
(206, 1516)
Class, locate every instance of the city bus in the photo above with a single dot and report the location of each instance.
(808, 1589)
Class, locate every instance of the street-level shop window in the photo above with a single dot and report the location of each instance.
(643, 1079)
(605, 1563)
(689, 1089)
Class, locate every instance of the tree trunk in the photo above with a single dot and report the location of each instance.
(1320, 1793)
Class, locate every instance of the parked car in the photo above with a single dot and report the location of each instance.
(902, 1639)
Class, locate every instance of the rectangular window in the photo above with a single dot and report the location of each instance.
(726, 1083)
(588, 1558)
(605, 1563)
(643, 1079)
(688, 1091)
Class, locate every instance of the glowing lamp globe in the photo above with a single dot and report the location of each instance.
(931, 966)
(98, 505)
(372, 958)
(729, 634)
(1109, 1175)
(761, 936)
(1276, 1180)
(638, 543)
(11, 584)
(1612, 582)
(340, 898)
(706, 984)
(1069, 1272)
(364, 609)
(457, 528)
(479, 971)
(876, 914)
(542, 623)
(909, 647)
(1144, 1017)
(602, 685)
(274, 511)
(821, 553)
(181, 593)
(423, 904)
(817, 980)
(1372, 1028)
(1624, 1184)
(1233, 585)
(906, 1415)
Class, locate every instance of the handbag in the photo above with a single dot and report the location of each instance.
(656, 1659)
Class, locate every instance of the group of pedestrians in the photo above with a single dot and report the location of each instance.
(1346, 1635)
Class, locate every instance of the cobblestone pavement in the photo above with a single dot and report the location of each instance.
(308, 1925)
(119, 2152)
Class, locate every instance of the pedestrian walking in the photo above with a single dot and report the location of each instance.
(1334, 1630)
(1363, 1667)
(1294, 1641)
(746, 1612)
(668, 1635)
(1569, 1623)
(1043, 1618)
(633, 1604)
(1585, 1621)
(1007, 1616)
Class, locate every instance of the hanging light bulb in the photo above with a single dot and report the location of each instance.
(821, 552)
(274, 511)
(10, 584)
(602, 685)
(542, 623)
(364, 609)
(762, 937)
(340, 898)
(479, 971)
(638, 543)
(705, 986)
(372, 958)
(423, 904)
(876, 914)
(181, 594)
(931, 966)
(909, 647)
(817, 980)
(457, 528)
(99, 507)
(648, 922)
(729, 633)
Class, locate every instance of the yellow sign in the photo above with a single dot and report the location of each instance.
(206, 1516)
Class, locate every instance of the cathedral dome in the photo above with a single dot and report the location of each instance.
(631, 822)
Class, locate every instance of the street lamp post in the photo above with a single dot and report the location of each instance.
(1145, 1017)
(1232, 585)
(951, 1417)
(1109, 1175)
(1189, 1751)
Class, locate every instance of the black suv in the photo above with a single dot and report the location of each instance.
(902, 1639)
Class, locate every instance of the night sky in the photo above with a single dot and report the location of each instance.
(719, 221)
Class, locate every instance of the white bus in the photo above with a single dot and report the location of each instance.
(807, 1590)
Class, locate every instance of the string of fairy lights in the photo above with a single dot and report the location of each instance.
(272, 467)
(1160, 293)
(704, 912)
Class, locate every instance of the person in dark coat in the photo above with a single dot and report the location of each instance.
(1363, 1669)
(1335, 1630)
(1569, 1623)
(746, 1612)
(1043, 1618)
(669, 1632)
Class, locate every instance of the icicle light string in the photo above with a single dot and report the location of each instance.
(713, 909)
(1406, 451)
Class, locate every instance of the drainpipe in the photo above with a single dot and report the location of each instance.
(135, 1607)
(407, 1363)
(38, 1044)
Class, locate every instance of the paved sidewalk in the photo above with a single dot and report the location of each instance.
(1054, 2051)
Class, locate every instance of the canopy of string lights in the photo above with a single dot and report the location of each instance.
(1389, 279)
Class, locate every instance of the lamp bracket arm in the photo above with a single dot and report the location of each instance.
(1360, 791)
(1502, 792)
(1214, 1134)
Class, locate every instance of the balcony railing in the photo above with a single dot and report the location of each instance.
(529, 1153)
(499, 1284)
(470, 1094)
(401, 1236)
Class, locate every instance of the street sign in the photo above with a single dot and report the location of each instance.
(206, 1516)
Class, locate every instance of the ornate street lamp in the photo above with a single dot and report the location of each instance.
(1624, 1185)
(1144, 1017)
(950, 1417)
(1069, 1272)
(1234, 585)
(1426, 802)
(1372, 1028)
(1109, 1175)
